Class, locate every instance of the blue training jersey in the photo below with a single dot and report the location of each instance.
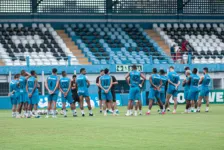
(31, 85)
(22, 83)
(52, 83)
(173, 77)
(164, 82)
(14, 86)
(155, 80)
(187, 85)
(64, 84)
(206, 81)
(194, 82)
(135, 78)
(105, 81)
(81, 81)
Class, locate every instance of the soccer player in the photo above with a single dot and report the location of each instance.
(194, 90)
(65, 88)
(105, 84)
(99, 89)
(114, 105)
(173, 83)
(31, 88)
(163, 88)
(75, 95)
(186, 86)
(83, 84)
(51, 85)
(204, 81)
(135, 85)
(15, 95)
(154, 92)
(23, 93)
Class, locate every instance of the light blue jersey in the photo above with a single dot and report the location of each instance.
(22, 83)
(81, 82)
(154, 93)
(205, 86)
(164, 82)
(34, 99)
(105, 83)
(194, 89)
(175, 78)
(155, 80)
(186, 88)
(52, 83)
(135, 78)
(64, 84)
(14, 86)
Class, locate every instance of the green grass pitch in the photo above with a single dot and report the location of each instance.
(196, 131)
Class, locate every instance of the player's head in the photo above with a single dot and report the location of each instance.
(154, 70)
(74, 77)
(134, 67)
(83, 71)
(16, 76)
(186, 68)
(205, 70)
(188, 72)
(101, 72)
(33, 73)
(195, 71)
(162, 72)
(23, 72)
(106, 71)
(63, 73)
(54, 71)
(171, 68)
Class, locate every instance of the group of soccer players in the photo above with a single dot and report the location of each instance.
(24, 91)
(163, 87)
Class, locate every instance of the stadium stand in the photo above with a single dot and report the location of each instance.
(116, 44)
(206, 40)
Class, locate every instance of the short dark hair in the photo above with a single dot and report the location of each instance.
(74, 76)
(134, 67)
(195, 70)
(63, 73)
(16, 76)
(154, 70)
(186, 68)
(22, 72)
(162, 72)
(82, 69)
(171, 67)
(32, 72)
(54, 70)
(101, 70)
(205, 69)
(106, 71)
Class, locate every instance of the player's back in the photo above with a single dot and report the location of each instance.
(52, 82)
(135, 78)
(155, 80)
(206, 81)
(187, 85)
(173, 77)
(194, 82)
(105, 81)
(31, 85)
(14, 86)
(64, 84)
(22, 83)
(81, 82)
(164, 82)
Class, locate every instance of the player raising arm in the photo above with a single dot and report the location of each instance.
(135, 85)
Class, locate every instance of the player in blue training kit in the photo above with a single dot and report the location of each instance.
(23, 93)
(133, 79)
(83, 85)
(105, 84)
(33, 94)
(186, 86)
(163, 88)
(154, 91)
(174, 82)
(204, 93)
(66, 94)
(194, 90)
(52, 86)
(14, 95)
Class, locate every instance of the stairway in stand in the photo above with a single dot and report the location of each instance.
(73, 48)
(156, 37)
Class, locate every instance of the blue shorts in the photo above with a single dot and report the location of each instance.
(14, 100)
(24, 97)
(53, 97)
(186, 94)
(84, 93)
(172, 91)
(163, 97)
(193, 95)
(34, 99)
(153, 94)
(68, 98)
(106, 96)
(204, 92)
(134, 93)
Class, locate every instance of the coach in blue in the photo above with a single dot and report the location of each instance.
(51, 85)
